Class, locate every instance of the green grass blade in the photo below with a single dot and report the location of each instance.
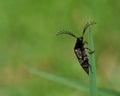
(58, 79)
(70, 83)
(92, 69)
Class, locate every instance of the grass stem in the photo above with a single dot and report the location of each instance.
(92, 69)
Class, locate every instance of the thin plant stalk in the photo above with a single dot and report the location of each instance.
(92, 69)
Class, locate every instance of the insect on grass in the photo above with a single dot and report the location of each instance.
(79, 48)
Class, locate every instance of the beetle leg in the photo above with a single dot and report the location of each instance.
(90, 51)
(85, 42)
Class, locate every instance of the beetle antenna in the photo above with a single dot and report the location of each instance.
(86, 26)
(66, 32)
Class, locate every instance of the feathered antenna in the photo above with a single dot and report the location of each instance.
(86, 26)
(66, 32)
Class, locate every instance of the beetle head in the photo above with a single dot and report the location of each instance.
(80, 40)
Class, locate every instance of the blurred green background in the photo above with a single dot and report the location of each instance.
(28, 39)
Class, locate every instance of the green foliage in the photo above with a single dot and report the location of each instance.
(72, 84)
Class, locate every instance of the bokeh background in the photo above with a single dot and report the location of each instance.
(28, 39)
